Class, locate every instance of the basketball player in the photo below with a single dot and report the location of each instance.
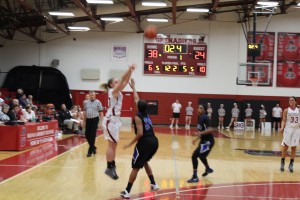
(111, 122)
(205, 145)
(262, 116)
(221, 113)
(146, 146)
(234, 115)
(189, 113)
(291, 132)
(176, 107)
(248, 114)
(209, 111)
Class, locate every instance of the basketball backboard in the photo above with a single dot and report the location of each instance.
(254, 74)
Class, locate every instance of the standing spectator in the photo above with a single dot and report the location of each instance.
(221, 113)
(66, 118)
(209, 111)
(234, 115)
(23, 101)
(189, 114)
(176, 107)
(92, 111)
(291, 132)
(276, 115)
(111, 122)
(248, 114)
(262, 116)
(20, 93)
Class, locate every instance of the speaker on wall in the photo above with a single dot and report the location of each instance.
(55, 63)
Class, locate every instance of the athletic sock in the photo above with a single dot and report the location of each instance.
(128, 188)
(113, 163)
(109, 164)
(152, 179)
(282, 160)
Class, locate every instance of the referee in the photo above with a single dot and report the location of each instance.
(92, 111)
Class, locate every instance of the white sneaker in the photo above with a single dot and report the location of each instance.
(171, 126)
(218, 127)
(154, 187)
(222, 127)
(176, 126)
(227, 127)
(125, 194)
(188, 127)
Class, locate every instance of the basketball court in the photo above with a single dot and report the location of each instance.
(246, 166)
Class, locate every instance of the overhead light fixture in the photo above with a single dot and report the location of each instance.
(100, 1)
(298, 4)
(157, 20)
(157, 3)
(268, 3)
(54, 13)
(204, 10)
(78, 28)
(114, 19)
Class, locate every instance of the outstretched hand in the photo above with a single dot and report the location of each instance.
(132, 83)
(132, 67)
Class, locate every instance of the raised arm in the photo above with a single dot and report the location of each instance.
(124, 80)
(135, 94)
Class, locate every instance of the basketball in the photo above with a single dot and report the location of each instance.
(150, 32)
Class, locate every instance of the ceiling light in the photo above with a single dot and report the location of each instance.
(149, 3)
(205, 10)
(298, 4)
(78, 28)
(268, 3)
(114, 19)
(61, 13)
(100, 1)
(157, 20)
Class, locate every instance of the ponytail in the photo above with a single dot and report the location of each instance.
(106, 86)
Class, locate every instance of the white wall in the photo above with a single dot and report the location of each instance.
(226, 48)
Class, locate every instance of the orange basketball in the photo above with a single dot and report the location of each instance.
(150, 32)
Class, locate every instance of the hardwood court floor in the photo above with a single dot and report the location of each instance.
(246, 166)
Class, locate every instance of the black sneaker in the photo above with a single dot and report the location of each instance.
(282, 167)
(208, 171)
(111, 172)
(291, 167)
(193, 180)
(125, 194)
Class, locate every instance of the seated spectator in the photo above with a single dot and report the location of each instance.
(23, 101)
(16, 114)
(1, 103)
(14, 102)
(3, 113)
(65, 116)
(30, 101)
(29, 114)
(19, 94)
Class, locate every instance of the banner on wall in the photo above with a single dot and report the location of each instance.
(119, 52)
(288, 60)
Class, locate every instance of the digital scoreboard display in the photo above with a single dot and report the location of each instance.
(176, 55)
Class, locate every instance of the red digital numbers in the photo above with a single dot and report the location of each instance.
(202, 69)
(199, 55)
(152, 53)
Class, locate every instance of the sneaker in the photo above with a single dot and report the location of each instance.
(222, 127)
(111, 172)
(188, 127)
(171, 126)
(193, 180)
(207, 171)
(282, 167)
(291, 167)
(227, 127)
(218, 127)
(176, 126)
(154, 187)
(125, 194)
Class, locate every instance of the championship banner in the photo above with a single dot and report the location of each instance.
(288, 60)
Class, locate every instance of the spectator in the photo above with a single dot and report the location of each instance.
(3, 113)
(248, 114)
(29, 114)
(1, 103)
(276, 114)
(14, 102)
(16, 114)
(209, 110)
(262, 116)
(23, 101)
(19, 94)
(30, 101)
(176, 107)
(65, 116)
(189, 113)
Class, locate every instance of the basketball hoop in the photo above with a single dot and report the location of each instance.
(254, 81)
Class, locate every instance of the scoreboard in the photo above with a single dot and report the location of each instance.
(176, 55)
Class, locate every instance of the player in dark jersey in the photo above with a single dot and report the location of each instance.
(146, 147)
(205, 145)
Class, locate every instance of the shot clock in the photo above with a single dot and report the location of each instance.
(176, 55)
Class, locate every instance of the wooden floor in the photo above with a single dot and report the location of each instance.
(240, 160)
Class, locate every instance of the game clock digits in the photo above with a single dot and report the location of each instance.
(176, 55)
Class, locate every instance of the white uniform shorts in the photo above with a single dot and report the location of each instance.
(111, 128)
(291, 136)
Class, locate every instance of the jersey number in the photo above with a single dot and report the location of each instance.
(294, 120)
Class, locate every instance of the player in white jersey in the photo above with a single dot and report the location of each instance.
(111, 122)
(234, 115)
(248, 114)
(221, 113)
(291, 133)
(209, 111)
(189, 113)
